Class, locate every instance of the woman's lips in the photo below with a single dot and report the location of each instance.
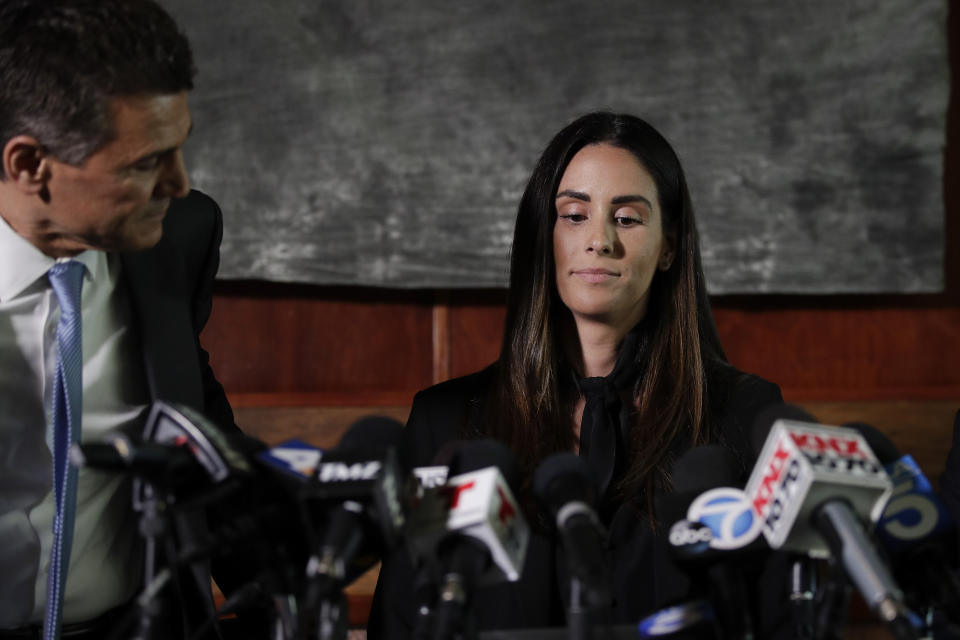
(595, 275)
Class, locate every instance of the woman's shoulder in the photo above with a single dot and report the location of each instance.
(457, 390)
(737, 391)
(737, 400)
(444, 413)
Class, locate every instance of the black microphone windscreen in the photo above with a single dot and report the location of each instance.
(371, 436)
(564, 477)
(878, 441)
(767, 416)
(706, 467)
(446, 453)
(480, 454)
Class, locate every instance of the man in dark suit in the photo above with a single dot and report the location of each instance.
(107, 262)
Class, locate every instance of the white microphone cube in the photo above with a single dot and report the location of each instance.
(803, 465)
(477, 504)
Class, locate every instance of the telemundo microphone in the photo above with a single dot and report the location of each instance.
(470, 533)
(814, 486)
(713, 534)
(918, 533)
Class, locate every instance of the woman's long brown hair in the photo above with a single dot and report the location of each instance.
(527, 409)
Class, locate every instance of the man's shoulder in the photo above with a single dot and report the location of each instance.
(197, 213)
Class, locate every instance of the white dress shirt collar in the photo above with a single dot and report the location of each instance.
(22, 264)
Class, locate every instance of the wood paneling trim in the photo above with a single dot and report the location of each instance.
(373, 398)
(441, 339)
(881, 394)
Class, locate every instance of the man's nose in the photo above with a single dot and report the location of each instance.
(174, 182)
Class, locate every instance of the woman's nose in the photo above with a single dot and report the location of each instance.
(602, 239)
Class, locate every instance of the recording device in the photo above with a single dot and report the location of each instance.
(919, 535)
(714, 533)
(813, 487)
(467, 534)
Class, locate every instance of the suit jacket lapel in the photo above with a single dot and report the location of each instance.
(161, 309)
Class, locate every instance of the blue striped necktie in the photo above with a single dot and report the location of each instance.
(67, 280)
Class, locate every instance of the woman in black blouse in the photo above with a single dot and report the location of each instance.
(609, 350)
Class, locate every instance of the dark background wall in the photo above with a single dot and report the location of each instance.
(386, 143)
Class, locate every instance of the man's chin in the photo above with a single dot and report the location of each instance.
(145, 236)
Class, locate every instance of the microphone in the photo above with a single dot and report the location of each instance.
(818, 606)
(362, 477)
(184, 464)
(813, 486)
(564, 487)
(714, 531)
(170, 465)
(917, 531)
(180, 447)
(222, 455)
(470, 532)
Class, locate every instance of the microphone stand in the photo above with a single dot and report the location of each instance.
(332, 623)
(578, 623)
(833, 600)
(153, 527)
(803, 589)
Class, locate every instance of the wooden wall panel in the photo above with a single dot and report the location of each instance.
(847, 353)
(476, 329)
(275, 344)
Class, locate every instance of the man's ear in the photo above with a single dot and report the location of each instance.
(26, 163)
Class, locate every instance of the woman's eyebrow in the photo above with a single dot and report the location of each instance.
(569, 193)
(631, 198)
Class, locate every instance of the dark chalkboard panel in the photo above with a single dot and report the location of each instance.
(387, 143)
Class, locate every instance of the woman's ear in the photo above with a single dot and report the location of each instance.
(666, 253)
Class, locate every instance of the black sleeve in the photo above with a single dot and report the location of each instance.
(216, 405)
(230, 571)
(739, 408)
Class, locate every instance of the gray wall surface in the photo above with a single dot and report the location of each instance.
(387, 143)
